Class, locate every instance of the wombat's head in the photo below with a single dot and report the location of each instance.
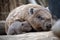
(40, 19)
(26, 26)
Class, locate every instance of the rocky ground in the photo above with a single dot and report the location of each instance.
(27, 36)
(31, 36)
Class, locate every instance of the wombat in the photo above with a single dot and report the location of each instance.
(38, 17)
(19, 28)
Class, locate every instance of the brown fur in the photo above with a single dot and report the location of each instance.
(42, 19)
(30, 13)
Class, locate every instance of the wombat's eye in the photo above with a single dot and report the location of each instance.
(40, 17)
(22, 24)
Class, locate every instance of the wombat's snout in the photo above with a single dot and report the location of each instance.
(49, 26)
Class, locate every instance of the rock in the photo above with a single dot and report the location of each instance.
(31, 36)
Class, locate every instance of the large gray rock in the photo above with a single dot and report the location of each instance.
(31, 36)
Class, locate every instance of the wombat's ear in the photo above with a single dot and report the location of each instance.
(31, 11)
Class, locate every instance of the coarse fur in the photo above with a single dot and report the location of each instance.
(38, 17)
(19, 28)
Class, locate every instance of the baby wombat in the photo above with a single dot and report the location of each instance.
(18, 28)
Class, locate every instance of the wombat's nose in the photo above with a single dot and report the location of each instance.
(49, 26)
